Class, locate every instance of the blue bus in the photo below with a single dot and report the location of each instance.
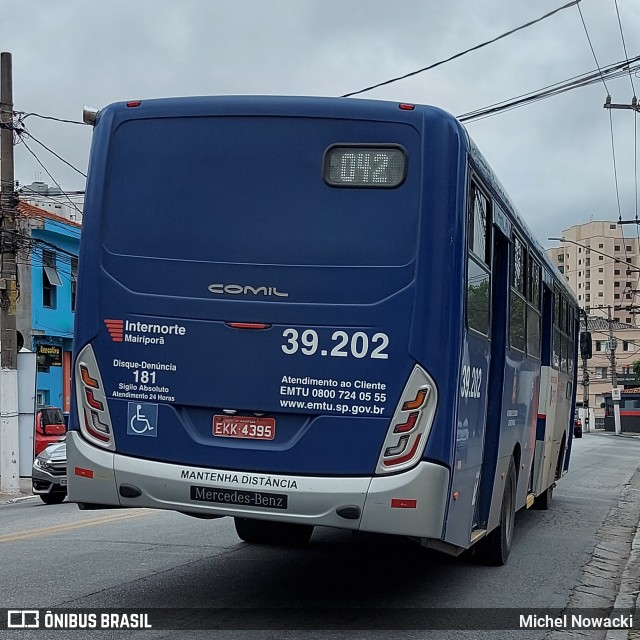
(305, 312)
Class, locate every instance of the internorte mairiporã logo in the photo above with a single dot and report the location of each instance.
(142, 332)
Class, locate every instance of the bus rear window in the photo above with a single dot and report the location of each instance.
(250, 190)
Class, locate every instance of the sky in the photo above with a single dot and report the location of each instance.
(554, 157)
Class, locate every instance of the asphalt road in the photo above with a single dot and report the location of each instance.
(570, 556)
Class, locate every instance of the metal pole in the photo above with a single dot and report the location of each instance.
(9, 431)
(614, 375)
(585, 378)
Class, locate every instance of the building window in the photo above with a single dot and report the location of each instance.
(561, 269)
(600, 246)
(50, 280)
(561, 257)
(74, 282)
(599, 345)
(616, 272)
(616, 284)
(612, 226)
(600, 281)
(628, 247)
(616, 296)
(628, 345)
(602, 372)
(616, 247)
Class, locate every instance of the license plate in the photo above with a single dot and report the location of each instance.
(63, 482)
(253, 428)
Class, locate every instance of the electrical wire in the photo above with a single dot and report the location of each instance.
(49, 174)
(24, 116)
(462, 53)
(584, 24)
(612, 71)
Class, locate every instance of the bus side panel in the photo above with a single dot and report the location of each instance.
(470, 433)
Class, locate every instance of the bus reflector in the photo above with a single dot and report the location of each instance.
(93, 410)
(408, 425)
(411, 423)
(83, 473)
(405, 106)
(417, 402)
(403, 503)
(87, 380)
(248, 325)
(134, 103)
(93, 403)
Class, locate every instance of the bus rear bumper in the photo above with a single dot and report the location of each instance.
(411, 503)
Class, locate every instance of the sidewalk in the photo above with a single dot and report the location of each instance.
(628, 597)
(23, 494)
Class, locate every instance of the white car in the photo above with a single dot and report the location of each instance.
(49, 474)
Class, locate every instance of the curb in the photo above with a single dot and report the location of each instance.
(6, 499)
(628, 597)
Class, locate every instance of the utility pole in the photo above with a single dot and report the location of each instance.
(634, 106)
(9, 431)
(615, 394)
(585, 371)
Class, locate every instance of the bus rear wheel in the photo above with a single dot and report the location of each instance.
(286, 534)
(494, 549)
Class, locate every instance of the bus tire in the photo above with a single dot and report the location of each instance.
(494, 549)
(286, 534)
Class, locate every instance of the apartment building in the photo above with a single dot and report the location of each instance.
(601, 262)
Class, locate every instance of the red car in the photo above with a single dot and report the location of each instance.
(50, 428)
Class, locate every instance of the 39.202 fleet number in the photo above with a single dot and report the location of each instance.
(471, 382)
(357, 345)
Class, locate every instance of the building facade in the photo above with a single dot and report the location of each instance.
(47, 270)
(602, 266)
(67, 205)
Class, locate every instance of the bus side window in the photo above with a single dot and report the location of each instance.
(517, 300)
(478, 270)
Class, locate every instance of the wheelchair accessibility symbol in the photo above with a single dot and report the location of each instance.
(142, 419)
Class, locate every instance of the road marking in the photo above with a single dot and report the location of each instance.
(34, 533)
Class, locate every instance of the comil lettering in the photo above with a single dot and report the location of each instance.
(238, 289)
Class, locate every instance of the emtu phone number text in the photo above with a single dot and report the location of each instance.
(342, 344)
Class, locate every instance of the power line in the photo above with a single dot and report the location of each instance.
(49, 174)
(584, 24)
(24, 116)
(612, 71)
(51, 151)
(624, 45)
(462, 53)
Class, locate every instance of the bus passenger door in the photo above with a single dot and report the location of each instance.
(478, 371)
(499, 333)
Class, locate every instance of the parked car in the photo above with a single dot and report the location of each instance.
(577, 428)
(49, 428)
(49, 474)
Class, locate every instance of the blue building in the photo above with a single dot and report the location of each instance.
(47, 273)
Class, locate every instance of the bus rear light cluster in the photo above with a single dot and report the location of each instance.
(411, 423)
(93, 410)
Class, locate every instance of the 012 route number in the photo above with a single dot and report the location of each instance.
(343, 345)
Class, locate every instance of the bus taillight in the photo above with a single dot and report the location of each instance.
(411, 423)
(93, 411)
